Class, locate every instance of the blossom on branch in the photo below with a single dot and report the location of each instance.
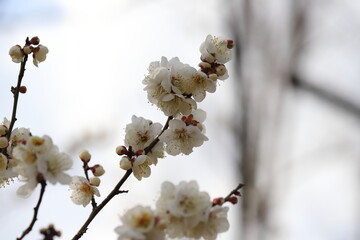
(83, 191)
(39, 159)
(187, 212)
(182, 137)
(16, 54)
(140, 223)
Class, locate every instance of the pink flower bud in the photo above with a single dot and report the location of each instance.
(233, 200)
(218, 201)
(97, 170)
(35, 40)
(230, 44)
(121, 150)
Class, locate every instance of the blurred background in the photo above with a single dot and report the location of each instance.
(286, 123)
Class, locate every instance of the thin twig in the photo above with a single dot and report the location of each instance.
(116, 189)
(86, 168)
(36, 210)
(16, 92)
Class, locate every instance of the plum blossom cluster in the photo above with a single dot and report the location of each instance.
(32, 159)
(181, 211)
(32, 46)
(176, 87)
(183, 134)
(84, 189)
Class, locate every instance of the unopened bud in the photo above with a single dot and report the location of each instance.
(121, 150)
(95, 181)
(3, 130)
(218, 201)
(35, 40)
(27, 49)
(213, 76)
(3, 162)
(220, 70)
(125, 163)
(205, 65)
(85, 156)
(97, 170)
(230, 44)
(23, 89)
(233, 200)
(3, 142)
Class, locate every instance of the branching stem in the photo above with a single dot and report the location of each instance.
(116, 189)
(36, 210)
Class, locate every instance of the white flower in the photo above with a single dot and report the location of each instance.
(138, 164)
(215, 49)
(18, 135)
(164, 86)
(39, 54)
(182, 207)
(83, 191)
(180, 138)
(38, 158)
(140, 133)
(139, 223)
(16, 54)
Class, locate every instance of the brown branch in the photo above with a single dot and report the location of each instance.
(36, 210)
(116, 189)
(16, 92)
(86, 168)
(231, 197)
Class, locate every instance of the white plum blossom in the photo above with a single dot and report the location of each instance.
(164, 86)
(141, 132)
(138, 164)
(215, 49)
(18, 135)
(39, 54)
(182, 208)
(38, 158)
(139, 223)
(16, 54)
(182, 138)
(216, 223)
(83, 191)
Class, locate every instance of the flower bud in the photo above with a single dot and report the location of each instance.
(27, 49)
(85, 156)
(230, 44)
(121, 150)
(125, 163)
(3, 130)
(204, 65)
(97, 170)
(35, 40)
(23, 89)
(3, 162)
(95, 181)
(3, 142)
(220, 70)
(213, 76)
(218, 201)
(233, 200)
